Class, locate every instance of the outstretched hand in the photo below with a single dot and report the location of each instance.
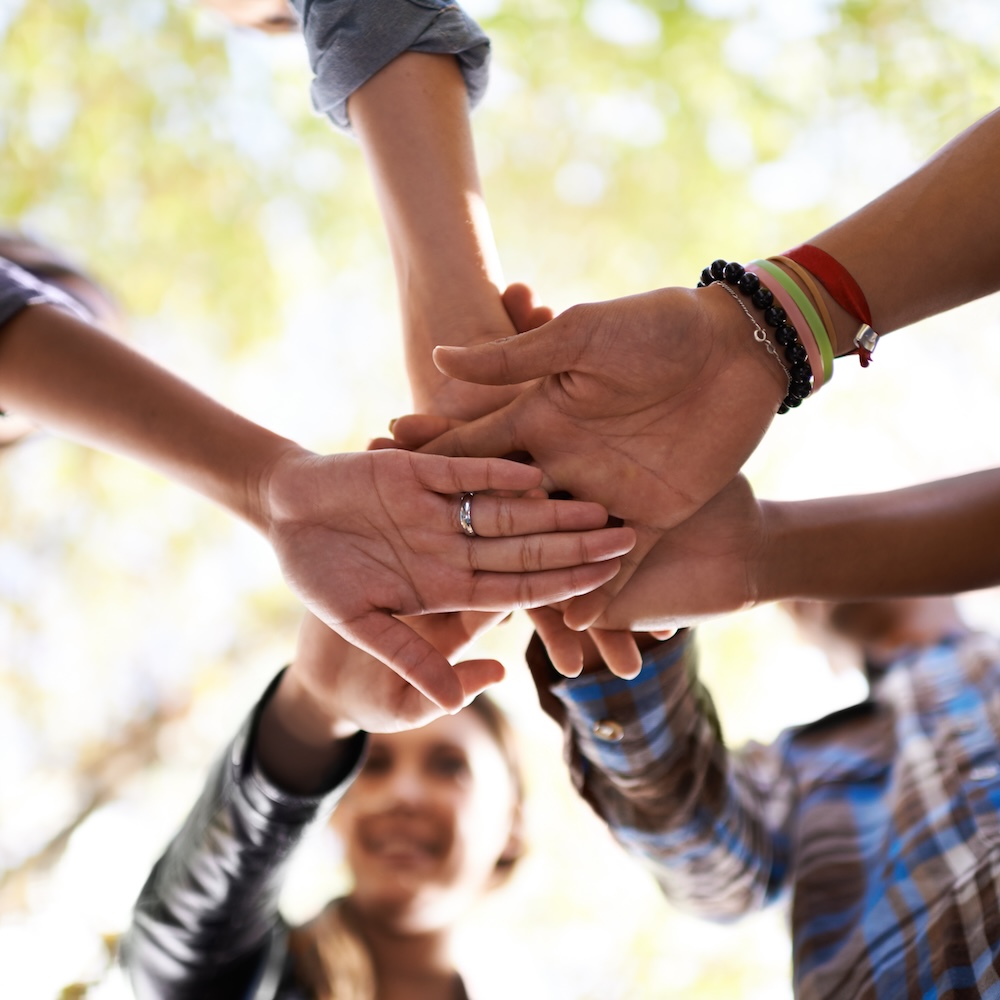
(333, 690)
(648, 404)
(707, 566)
(362, 538)
(357, 692)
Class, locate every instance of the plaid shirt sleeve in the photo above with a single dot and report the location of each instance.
(649, 757)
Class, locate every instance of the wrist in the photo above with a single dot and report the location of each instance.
(818, 275)
(273, 483)
(475, 316)
(299, 745)
(735, 335)
(315, 721)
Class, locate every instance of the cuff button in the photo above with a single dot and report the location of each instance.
(609, 731)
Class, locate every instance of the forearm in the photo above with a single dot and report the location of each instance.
(80, 383)
(412, 120)
(936, 538)
(928, 244)
(648, 756)
(299, 745)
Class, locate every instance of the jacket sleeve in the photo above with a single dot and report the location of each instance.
(206, 923)
(648, 756)
(349, 41)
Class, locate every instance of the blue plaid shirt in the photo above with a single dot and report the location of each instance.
(881, 821)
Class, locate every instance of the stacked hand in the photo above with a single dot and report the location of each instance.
(648, 404)
(364, 537)
(353, 691)
(434, 392)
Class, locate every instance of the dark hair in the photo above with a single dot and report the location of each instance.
(503, 733)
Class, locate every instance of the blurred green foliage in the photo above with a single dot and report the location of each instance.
(623, 145)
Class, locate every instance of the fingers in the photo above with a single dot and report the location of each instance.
(472, 475)
(519, 301)
(498, 517)
(494, 434)
(548, 350)
(418, 429)
(583, 612)
(556, 550)
(410, 656)
(477, 675)
(506, 591)
(562, 644)
(619, 651)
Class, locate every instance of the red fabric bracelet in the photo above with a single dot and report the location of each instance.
(837, 280)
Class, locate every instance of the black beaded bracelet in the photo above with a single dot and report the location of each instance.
(733, 276)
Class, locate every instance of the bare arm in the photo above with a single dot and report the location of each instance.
(936, 538)
(387, 520)
(941, 537)
(412, 119)
(86, 385)
(930, 243)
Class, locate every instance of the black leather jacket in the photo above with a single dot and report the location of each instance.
(206, 924)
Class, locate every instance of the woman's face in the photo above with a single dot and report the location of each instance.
(426, 821)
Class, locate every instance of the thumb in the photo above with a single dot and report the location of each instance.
(477, 675)
(548, 350)
(519, 301)
(409, 655)
(415, 430)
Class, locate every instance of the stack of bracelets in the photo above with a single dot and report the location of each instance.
(801, 323)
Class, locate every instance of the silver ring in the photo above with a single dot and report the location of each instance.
(465, 514)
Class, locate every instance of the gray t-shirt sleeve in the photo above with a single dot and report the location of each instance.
(19, 289)
(349, 41)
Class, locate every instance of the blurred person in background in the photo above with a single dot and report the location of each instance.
(428, 807)
(879, 822)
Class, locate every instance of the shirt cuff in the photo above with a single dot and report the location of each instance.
(349, 41)
(270, 800)
(622, 725)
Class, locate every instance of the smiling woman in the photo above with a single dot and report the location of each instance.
(430, 820)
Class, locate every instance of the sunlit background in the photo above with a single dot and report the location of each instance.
(623, 146)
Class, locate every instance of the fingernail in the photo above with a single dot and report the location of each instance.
(392, 423)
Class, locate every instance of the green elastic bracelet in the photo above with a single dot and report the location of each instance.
(819, 331)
